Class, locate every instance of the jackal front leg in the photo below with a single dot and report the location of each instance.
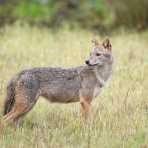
(85, 108)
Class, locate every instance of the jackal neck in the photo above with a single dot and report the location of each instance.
(103, 73)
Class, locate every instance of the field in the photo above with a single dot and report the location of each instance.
(120, 113)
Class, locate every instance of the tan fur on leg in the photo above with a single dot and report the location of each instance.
(85, 109)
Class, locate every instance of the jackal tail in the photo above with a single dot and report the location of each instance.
(10, 97)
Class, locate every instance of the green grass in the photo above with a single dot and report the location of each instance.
(120, 113)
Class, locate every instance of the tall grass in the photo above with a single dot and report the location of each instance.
(120, 112)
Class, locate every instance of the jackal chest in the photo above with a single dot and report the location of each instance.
(97, 91)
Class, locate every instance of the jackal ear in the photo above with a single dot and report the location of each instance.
(107, 45)
(95, 42)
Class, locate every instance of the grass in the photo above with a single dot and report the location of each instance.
(120, 112)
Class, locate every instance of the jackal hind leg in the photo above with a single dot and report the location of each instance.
(21, 107)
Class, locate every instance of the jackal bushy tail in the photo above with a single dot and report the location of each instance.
(10, 98)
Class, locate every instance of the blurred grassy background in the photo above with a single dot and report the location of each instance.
(91, 14)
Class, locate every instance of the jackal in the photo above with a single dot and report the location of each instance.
(81, 84)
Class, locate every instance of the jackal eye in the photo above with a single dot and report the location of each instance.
(98, 54)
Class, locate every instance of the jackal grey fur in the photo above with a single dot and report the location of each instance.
(58, 84)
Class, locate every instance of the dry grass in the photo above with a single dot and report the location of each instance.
(120, 112)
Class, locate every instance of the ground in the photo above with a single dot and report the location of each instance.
(120, 113)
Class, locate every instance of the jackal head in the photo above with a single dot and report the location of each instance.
(100, 54)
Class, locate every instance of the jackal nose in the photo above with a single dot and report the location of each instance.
(87, 62)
